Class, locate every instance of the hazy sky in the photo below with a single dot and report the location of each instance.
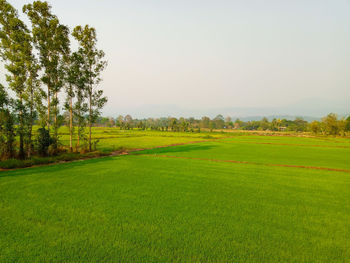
(207, 54)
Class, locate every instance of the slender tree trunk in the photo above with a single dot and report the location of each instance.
(29, 150)
(90, 120)
(55, 119)
(78, 140)
(21, 154)
(71, 124)
(48, 108)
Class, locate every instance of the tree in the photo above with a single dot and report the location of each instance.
(205, 122)
(347, 124)
(16, 52)
(228, 122)
(74, 82)
(219, 121)
(300, 124)
(128, 122)
(315, 127)
(52, 41)
(173, 124)
(93, 67)
(80, 108)
(111, 122)
(120, 121)
(7, 132)
(264, 124)
(331, 124)
(33, 97)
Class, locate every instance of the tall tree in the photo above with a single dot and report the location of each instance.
(33, 95)
(16, 52)
(74, 88)
(7, 132)
(52, 41)
(93, 67)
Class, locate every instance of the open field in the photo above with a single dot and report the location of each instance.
(219, 198)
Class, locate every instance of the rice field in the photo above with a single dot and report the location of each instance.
(215, 198)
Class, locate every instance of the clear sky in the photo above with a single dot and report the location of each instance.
(207, 54)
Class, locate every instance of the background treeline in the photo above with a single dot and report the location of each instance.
(45, 81)
(329, 125)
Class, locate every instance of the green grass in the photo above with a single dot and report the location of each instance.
(148, 208)
(113, 138)
(328, 156)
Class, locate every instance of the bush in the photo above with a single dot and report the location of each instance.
(14, 163)
(44, 141)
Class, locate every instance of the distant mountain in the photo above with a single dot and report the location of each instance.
(309, 109)
(271, 117)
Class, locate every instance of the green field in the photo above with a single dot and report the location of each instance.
(187, 203)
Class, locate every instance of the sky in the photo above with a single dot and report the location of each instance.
(201, 55)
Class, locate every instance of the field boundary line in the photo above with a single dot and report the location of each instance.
(252, 163)
(297, 144)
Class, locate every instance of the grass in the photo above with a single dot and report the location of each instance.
(328, 156)
(147, 208)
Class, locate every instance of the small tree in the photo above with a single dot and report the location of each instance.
(44, 141)
(331, 124)
(315, 127)
(347, 124)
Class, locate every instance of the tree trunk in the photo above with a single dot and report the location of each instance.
(90, 120)
(48, 108)
(31, 120)
(21, 153)
(71, 124)
(29, 150)
(55, 119)
(78, 139)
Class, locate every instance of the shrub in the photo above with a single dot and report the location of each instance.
(44, 141)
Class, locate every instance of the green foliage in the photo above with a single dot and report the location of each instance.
(42, 55)
(52, 40)
(15, 45)
(347, 125)
(331, 124)
(93, 65)
(44, 141)
(7, 127)
(7, 134)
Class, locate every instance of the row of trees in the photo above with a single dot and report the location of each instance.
(41, 69)
(329, 125)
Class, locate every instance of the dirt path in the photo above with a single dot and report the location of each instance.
(252, 163)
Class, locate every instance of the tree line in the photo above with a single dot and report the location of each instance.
(328, 125)
(46, 80)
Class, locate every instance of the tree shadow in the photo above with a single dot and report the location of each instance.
(65, 167)
(177, 149)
